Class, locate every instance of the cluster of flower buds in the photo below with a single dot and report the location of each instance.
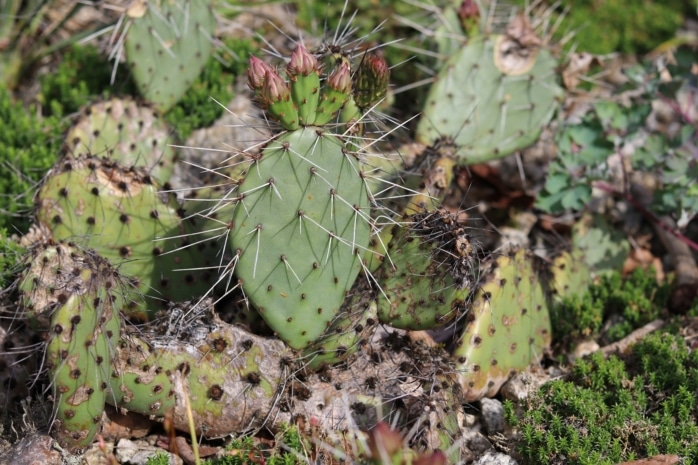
(304, 99)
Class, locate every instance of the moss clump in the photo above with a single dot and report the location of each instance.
(616, 409)
(82, 76)
(627, 26)
(30, 146)
(632, 302)
(197, 109)
(10, 254)
(289, 450)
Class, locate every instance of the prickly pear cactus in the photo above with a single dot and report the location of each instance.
(350, 329)
(302, 219)
(78, 294)
(492, 97)
(167, 45)
(507, 328)
(126, 132)
(298, 232)
(120, 213)
(427, 278)
(570, 275)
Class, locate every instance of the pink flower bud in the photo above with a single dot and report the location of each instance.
(275, 89)
(468, 10)
(256, 72)
(340, 79)
(383, 438)
(371, 80)
(302, 62)
(435, 458)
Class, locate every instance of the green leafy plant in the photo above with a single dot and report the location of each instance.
(31, 145)
(612, 142)
(616, 409)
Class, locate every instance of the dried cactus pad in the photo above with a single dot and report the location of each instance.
(508, 328)
(491, 98)
(167, 46)
(126, 132)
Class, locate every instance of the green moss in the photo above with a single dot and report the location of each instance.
(627, 26)
(10, 254)
(289, 450)
(160, 458)
(30, 145)
(82, 76)
(632, 302)
(616, 409)
(198, 108)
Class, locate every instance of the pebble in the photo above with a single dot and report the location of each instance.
(492, 415)
(495, 458)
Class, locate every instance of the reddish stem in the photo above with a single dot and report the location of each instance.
(647, 213)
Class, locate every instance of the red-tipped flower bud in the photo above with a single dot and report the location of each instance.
(371, 80)
(302, 62)
(382, 439)
(340, 79)
(468, 10)
(435, 458)
(256, 72)
(275, 89)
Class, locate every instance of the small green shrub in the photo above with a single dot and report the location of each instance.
(160, 458)
(616, 409)
(244, 451)
(636, 300)
(10, 252)
(30, 145)
(82, 76)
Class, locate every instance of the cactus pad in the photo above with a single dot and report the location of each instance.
(167, 46)
(427, 279)
(298, 232)
(119, 213)
(123, 131)
(81, 298)
(508, 327)
(491, 99)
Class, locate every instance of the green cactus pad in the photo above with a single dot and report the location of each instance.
(299, 230)
(491, 99)
(508, 327)
(167, 46)
(84, 327)
(429, 272)
(120, 213)
(138, 383)
(123, 131)
(349, 330)
(570, 275)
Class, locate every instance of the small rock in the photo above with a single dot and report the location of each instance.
(137, 453)
(583, 349)
(33, 449)
(476, 442)
(495, 458)
(492, 415)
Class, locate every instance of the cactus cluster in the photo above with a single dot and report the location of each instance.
(301, 241)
